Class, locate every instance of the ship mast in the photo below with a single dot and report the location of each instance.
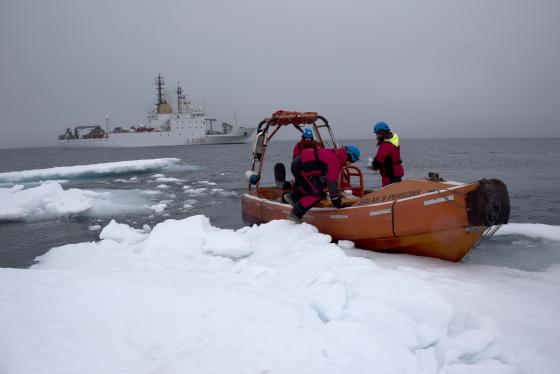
(160, 83)
(161, 106)
(179, 97)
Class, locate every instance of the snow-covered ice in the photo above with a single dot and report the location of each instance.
(167, 179)
(207, 183)
(93, 170)
(228, 193)
(195, 191)
(52, 200)
(187, 297)
(151, 192)
(158, 208)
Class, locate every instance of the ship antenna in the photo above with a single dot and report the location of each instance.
(160, 83)
(107, 125)
(179, 92)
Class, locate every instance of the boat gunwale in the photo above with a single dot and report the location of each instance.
(450, 189)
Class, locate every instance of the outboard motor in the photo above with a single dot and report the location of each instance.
(488, 205)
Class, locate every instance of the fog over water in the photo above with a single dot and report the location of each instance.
(431, 69)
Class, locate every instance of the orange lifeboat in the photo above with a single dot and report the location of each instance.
(426, 217)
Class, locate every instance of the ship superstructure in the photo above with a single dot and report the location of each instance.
(165, 127)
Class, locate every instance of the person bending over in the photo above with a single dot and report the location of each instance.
(313, 170)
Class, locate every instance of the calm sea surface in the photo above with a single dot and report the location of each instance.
(529, 167)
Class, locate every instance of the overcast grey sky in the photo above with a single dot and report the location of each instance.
(445, 68)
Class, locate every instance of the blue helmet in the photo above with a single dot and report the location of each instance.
(307, 133)
(353, 152)
(380, 127)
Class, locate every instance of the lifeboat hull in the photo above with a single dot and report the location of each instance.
(420, 217)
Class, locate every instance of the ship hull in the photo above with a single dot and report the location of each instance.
(181, 130)
(132, 140)
(238, 136)
(432, 219)
(160, 139)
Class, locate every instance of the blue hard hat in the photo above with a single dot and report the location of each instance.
(380, 127)
(353, 152)
(307, 133)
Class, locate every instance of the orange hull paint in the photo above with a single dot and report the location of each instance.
(418, 217)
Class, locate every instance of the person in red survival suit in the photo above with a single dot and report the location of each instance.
(388, 158)
(305, 142)
(313, 170)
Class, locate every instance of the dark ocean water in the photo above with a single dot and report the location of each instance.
(529, 167)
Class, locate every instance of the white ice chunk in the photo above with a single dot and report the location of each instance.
(227, 244)
(158, 208)
(167, 179)
(121, 233)
(51, 200)
(196, 191)
(88, 171)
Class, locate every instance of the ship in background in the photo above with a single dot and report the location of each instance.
(165, 127)
(229, 134)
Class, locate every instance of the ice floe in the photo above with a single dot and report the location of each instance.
(158, 208)
(279, 297)
(195, 191)
(167, 179)
(52, 200)
(94, 170)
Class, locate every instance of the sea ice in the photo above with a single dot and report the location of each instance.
(52, 200)
(167, 179)
(158, 208)
(195, 191)
(189, 297)
(92, 170)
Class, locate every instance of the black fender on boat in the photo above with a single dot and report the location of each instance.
(488, 205)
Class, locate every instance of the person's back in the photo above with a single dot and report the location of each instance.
(315, 169)
(325, 162)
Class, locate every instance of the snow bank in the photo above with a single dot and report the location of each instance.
(274, 298)
(51, 200)
(92, 170)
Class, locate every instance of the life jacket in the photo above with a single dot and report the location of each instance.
(323, 162)
(388, 158)
(304, 144)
